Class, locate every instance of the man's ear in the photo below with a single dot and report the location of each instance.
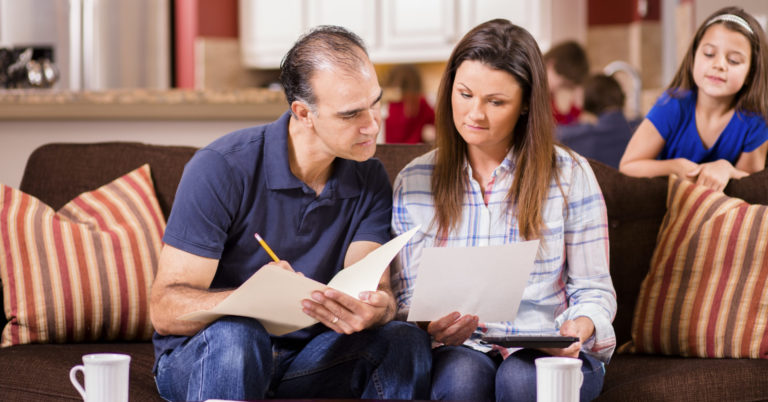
(302, 112)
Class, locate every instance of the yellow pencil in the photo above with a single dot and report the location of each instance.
(266, 247)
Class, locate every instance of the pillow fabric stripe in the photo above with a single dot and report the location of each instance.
(84, 273)
(705, 294)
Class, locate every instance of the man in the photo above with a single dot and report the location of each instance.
(306, 184)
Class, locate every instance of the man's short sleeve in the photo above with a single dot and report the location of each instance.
(205, 203)
(377, 203)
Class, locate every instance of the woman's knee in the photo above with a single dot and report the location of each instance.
(460, 373)
(516, 378)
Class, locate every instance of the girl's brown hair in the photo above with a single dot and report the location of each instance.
(752, 95)
(503, 46)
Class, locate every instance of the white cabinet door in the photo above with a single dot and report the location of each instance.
(268, 29)
(414, 31)
(549, 21)
(399, 31)
(359, 16)
(528, 14)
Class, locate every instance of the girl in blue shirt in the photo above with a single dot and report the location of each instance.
(710, 124)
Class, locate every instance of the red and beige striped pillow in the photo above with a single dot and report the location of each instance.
(82, 273)
(706, 294)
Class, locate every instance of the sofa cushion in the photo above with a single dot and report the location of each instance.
(704, 294)
(643, 378)
(82, 273)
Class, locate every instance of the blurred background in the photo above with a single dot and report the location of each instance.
(188, 71)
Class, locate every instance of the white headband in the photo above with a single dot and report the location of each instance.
(732, 18)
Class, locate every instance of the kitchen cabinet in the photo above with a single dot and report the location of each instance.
(398, 31)
(414, 31)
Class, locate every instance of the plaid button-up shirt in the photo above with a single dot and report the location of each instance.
(570, 277)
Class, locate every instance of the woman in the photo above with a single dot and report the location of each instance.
(496, 177)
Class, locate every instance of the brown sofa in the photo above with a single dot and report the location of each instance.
(56, 173)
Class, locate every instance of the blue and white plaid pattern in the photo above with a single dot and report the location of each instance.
(570, 277)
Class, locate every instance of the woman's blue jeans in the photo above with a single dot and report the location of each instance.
(235, 358)
(461, 373)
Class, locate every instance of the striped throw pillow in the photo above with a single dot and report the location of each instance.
(82, 273)
(706, 294)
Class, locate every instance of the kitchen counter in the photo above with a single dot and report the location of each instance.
(144, 104)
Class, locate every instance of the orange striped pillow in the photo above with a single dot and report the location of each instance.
(705, 294)
(83, 273)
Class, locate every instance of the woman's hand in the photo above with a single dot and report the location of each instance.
(715, 175)
(582, 328)
(453, 329)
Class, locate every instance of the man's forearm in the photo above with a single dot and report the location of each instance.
(172, 301)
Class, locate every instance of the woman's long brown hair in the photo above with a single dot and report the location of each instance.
(503, 46)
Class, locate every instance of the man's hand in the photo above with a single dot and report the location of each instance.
(453, 329)
(581, 327)
(345, 314)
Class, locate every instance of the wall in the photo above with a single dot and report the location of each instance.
(704, 8)
(194, 19)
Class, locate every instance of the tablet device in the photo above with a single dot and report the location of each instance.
(531, 341)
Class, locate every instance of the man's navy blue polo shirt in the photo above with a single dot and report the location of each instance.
(242, 184)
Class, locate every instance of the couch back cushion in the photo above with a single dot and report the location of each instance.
(705, 293)
(82, 273)
(635, 211)
(57, 173)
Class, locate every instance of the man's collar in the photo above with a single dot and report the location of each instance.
(344, 180)
(277, 168)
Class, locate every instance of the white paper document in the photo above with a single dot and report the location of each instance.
(485, 281)
(273, 295)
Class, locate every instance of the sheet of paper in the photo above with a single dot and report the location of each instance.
(273, 295)
(485, 281)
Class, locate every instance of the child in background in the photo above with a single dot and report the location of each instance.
(606, 139)
(710, 124)
(567, 68)
(410, 120)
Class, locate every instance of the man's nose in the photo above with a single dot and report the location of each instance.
(373, 123)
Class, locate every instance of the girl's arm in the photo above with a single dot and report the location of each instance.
(754, 161)
(639, 158)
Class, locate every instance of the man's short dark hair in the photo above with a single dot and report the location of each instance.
(569, 59)
(324, 45)
(601, 93)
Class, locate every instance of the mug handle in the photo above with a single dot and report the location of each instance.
(75, 382)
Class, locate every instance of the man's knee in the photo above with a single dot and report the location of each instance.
(234, 338)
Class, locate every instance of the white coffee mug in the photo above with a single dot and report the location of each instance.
(558, 379)
(106, 377)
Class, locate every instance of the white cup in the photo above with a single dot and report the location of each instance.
(106, 377)
(558, 379)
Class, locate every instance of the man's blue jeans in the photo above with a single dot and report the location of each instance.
(461, 373)
(235, 358)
